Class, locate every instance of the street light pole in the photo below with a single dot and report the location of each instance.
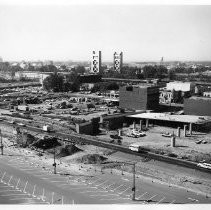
(2, 147)
(54, 159)
(134, 179)
(134, 182)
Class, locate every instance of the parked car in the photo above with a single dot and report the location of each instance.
(139, 133)
(167, 134)
(135, 133)
(130, 134)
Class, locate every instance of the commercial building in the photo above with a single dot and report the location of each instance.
(198, 106)
(139, 97)
(118, 60)
(96, 62)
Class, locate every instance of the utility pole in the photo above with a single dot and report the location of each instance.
(2, 147)
(54, 159)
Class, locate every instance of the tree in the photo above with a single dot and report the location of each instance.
(54, 82)
(47, 68)
(104, 86)
(171, 75)
(79, 70)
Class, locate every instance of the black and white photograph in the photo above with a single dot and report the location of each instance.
(105, 103)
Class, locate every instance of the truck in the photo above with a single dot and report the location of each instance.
(46, 128)
(135, 147)
(138, 148)
(204, 165)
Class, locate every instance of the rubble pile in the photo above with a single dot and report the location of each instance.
(92, 159)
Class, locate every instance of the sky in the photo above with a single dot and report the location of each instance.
(71, 32)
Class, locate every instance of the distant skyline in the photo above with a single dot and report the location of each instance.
(72, 32)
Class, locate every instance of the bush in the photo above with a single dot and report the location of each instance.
(172, 155)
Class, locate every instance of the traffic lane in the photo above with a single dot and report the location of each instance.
(50, 186)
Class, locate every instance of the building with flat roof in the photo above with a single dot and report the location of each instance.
(96, 62)
(139, 97)
(193, 121)
(197, 106)
(207, 94)
(181, 86)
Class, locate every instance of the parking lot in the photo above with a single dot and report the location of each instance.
(85, 185)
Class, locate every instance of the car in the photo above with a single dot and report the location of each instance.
(138, 133)
(204, 165)
(198, 142)
(21, 124)
(11, 122)
(130, 134)
(135, 133)
(116, 137)
(167, 134)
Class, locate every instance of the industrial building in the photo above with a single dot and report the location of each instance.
(139, 97)
(96, 62)
(118, 60)
(198, 106)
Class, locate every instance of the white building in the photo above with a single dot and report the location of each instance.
(181, 86)
(207, 94)
(32, 75)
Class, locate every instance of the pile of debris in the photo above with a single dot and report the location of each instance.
(92, 159)
(66, 150)
(46, 143)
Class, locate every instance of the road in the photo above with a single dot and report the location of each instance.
(84, 186)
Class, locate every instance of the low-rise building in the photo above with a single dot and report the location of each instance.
(181, 86)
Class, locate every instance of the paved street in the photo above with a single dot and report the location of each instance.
(23, 180)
